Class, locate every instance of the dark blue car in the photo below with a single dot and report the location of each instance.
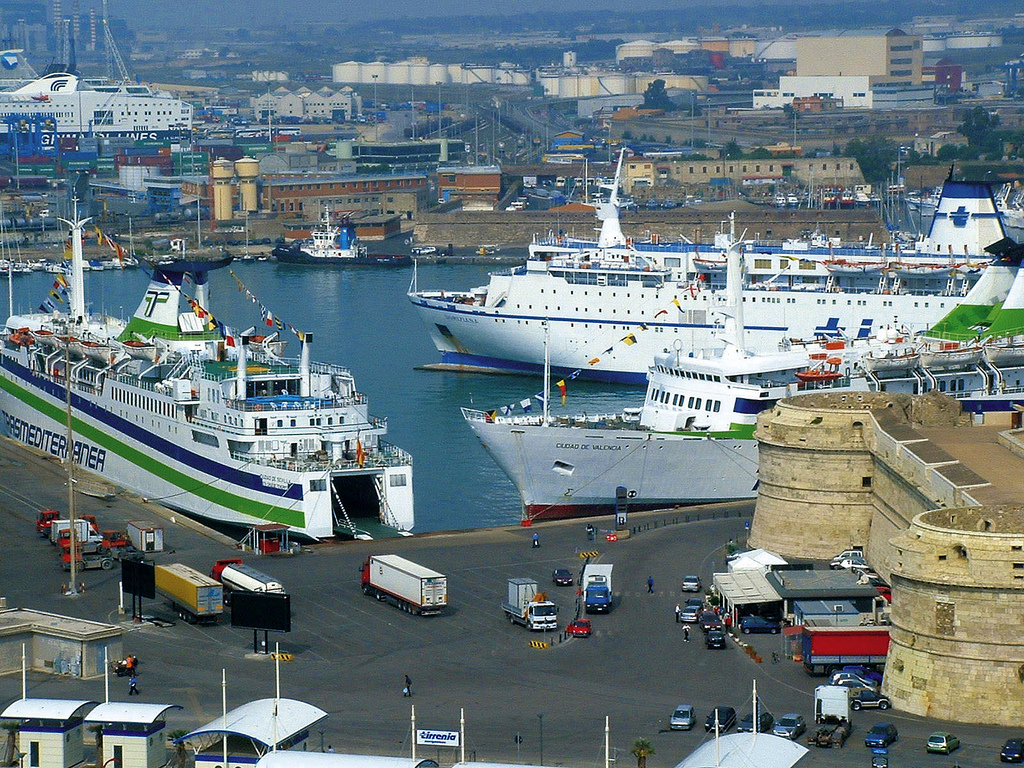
(749, 624)
(881, 735)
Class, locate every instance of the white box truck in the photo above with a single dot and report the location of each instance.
(527, 606)
(411, 587)
(831, 703)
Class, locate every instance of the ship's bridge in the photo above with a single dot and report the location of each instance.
(278, 385)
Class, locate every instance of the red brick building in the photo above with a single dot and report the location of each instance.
(305, 195)
(478, 186)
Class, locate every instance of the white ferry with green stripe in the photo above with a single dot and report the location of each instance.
(219, 426)
(692, 441)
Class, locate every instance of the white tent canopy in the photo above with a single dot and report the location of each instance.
(754, 560)
(746, 750)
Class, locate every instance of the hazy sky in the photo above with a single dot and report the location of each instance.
(254, 13)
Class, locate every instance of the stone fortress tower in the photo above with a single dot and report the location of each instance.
(832, 474)
(956, 650)
(840, 470)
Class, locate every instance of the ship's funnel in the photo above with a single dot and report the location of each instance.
(306, 341)
(240, 371)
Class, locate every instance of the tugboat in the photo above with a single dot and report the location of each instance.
(337, 246)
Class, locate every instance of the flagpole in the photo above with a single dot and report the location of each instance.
(547, 372)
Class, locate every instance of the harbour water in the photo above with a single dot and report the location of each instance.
(362, 319)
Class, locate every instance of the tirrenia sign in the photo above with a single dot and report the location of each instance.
(437, 738)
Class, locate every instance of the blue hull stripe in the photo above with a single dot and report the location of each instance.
(516, 366)
(158, 444)
(454, 310)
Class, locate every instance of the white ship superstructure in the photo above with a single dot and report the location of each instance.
(692, 440)
(216, 425)
(595, 294)
(79, 107)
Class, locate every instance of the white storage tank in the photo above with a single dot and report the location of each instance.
(397, 73)
(438, 74)
(419, 73)
(346, 72)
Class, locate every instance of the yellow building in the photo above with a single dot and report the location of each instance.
(894, 58)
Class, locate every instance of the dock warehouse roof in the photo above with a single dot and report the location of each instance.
(129, 712)
(294, 759)
(256, 721)
(819, 585)
(745, 588)
(45, 709)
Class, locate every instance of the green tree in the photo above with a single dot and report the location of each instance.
(655, 97)
(97, 732)
(875, 157)
(732, 151)
(179, 756)
(642, 749)
(7, 754)
(979, 127)
(759, 154)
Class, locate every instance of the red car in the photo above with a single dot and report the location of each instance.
(579, 628)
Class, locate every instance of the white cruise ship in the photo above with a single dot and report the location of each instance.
(214, 424)
(84, 108)
(692, 440)
(613, 304)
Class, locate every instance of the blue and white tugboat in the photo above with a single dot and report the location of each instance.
(336, 246)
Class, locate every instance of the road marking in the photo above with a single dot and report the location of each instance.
(539, 644)
(588, 554)
(282, 657)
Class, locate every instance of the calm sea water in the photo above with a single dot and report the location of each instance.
(362, 319)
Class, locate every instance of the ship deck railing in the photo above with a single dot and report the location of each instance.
(596, 421)
(227, 369)
(382, 456)
(296, 403)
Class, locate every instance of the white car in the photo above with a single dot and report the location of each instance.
(847, 555)
(851, 680)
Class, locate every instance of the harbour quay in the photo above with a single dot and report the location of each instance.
(349, 654)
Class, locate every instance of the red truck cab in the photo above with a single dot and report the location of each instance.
(43, 521)
(220, 565)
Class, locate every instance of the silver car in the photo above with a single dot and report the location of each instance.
(690, 613)
(683, 718)
(790, 726)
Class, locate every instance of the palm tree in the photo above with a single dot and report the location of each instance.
(641, 749)
(97, 731)
(179, 757)
(10, 743)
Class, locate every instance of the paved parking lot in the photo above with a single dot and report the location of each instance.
(351, 652)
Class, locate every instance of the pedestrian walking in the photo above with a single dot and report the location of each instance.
(678, 612)
(650, 585)
(536, 540)
(133, 685)
(407, 691)
(686, 633)
(590, 531)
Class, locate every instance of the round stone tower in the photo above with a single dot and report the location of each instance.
(815, 472)
(957, 612)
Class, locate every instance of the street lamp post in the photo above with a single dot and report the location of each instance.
(540, 720)
(439, 135)
(376, 125)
